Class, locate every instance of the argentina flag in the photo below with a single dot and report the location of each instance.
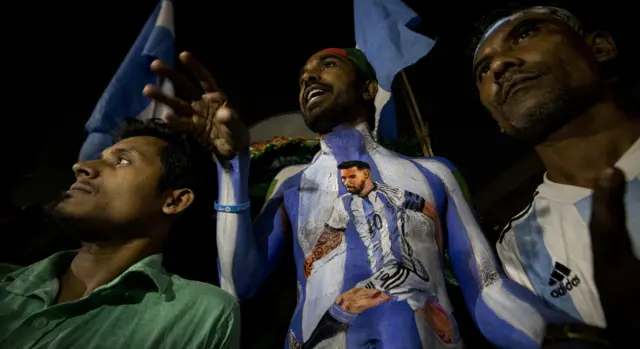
(383, 33)
(123, 96)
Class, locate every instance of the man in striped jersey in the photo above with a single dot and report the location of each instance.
(539, 74)
(337, 90)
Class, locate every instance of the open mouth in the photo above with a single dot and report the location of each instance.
(314, 94)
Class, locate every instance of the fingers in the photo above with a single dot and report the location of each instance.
(179, 123)
(180, 82)
(209, 117)
(226, 117)
(179, 106)
(223, 140)
(199, 71)
(223, 148)
(210, 131)
(214, 100)
(608, 218)
(225, 127)
(357, 300)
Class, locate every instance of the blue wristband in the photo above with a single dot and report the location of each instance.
(232, 208)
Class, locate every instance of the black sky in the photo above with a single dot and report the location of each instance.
(62, 56)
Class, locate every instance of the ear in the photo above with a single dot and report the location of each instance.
(370, 90)
(367, 174)
(602, 46)
(178, 201)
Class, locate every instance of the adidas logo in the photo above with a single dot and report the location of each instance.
(560, 275)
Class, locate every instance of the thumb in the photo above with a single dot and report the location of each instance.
(608, 217)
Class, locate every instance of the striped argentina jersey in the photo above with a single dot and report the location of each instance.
(390, 224)
(547, 247)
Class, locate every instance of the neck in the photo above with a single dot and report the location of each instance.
(348, 141)
(368, 187)
(577, 153)
(98, 264)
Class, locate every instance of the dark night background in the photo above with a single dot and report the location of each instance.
(61, 56)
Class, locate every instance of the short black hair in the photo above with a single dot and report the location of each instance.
(360, 165)
(183, 158)
(186, 164)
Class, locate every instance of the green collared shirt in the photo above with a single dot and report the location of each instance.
(144, 307)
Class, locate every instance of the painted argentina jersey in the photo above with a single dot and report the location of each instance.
(369, 227)
(547, 247)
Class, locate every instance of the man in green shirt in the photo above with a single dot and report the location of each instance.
(113, 292)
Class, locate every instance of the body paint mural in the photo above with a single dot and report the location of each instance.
(370, 247)
(368, 229)
(388, 222)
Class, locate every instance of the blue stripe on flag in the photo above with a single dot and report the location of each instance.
(387, 125)
(383, 33)
(123, 96)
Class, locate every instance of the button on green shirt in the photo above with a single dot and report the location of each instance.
(144, 307)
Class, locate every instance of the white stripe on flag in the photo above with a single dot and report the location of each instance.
(123, 96)
(154, 109)
(165, 17)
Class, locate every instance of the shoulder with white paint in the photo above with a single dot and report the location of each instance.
(281, 178)
(440, 167)
(394, 194)
(339, 202)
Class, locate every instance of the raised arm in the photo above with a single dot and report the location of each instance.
(246, 256)
(509, 315)
(248, 253)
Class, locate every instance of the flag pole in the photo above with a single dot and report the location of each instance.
(412, 116)
(154, 104)
(422, 130)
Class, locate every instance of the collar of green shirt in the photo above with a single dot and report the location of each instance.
(28, 280)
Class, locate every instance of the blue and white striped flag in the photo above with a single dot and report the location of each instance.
(123, 97)
(383, 33)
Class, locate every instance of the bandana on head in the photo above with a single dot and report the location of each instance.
(358, 59)
(554, 12)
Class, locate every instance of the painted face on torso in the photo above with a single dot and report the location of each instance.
(354, 179)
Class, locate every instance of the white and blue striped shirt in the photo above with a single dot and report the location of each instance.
(547, 247)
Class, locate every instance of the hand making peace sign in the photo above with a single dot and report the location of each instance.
(205, 112)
